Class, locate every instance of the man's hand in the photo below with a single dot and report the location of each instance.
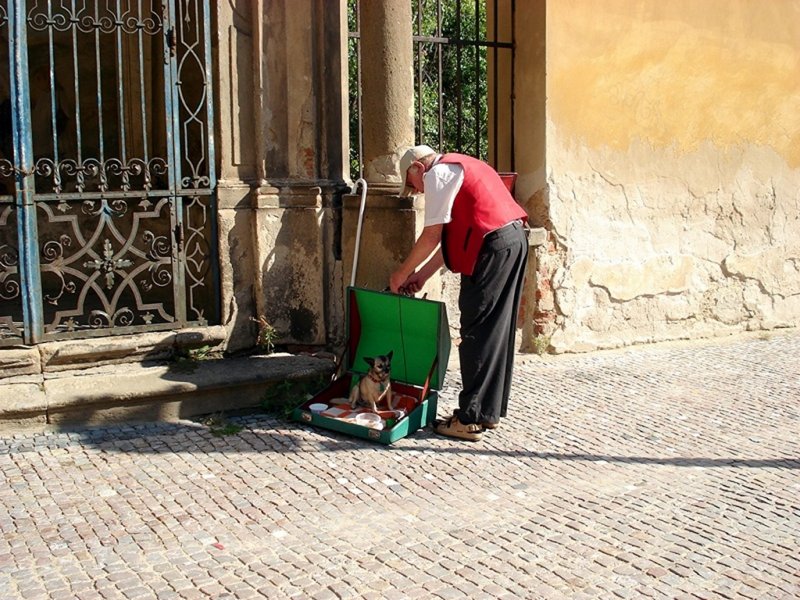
(410, 285)
(396, 281)
(424, 247)
(414, 283)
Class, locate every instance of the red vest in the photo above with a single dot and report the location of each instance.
(482, 205)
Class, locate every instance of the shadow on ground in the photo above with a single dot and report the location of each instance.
(276, 435)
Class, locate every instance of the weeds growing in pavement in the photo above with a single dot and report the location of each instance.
(282, 398)
(267, 334)
(540, 344)
(186, 360)
(219, 426)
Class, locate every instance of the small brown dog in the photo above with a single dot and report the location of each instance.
(373, 387)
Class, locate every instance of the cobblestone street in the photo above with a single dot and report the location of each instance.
(667, 471)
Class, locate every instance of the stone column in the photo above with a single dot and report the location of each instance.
(280, 166)
(387, 88)
(391, 223)
(299, 123)
(239, 166)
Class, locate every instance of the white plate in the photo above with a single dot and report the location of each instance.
(370, 420)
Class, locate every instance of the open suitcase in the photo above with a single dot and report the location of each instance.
(416, 331)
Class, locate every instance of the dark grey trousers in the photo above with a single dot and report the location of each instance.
(489, 301)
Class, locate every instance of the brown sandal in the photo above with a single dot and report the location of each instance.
(452, 427)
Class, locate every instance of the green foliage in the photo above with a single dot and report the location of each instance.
(455, 93)
(282, 398)
(267, 335)
(186, 360)
(354, 89)
(201, 353)
(540, 344)
(451, 77)
(219, 426)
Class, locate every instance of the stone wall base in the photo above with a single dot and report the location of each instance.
(147, 377)
(67, 355)
(149, 392)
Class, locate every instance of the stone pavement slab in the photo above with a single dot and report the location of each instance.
(662, 471)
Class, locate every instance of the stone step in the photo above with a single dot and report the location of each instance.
(148, 392)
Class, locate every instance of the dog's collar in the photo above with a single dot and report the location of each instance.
(371, 376)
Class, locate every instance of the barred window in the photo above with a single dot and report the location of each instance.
(463, 78)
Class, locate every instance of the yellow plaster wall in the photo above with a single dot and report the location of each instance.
(677, 73)
(672, 161)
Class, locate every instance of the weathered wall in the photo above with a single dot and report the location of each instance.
(280, 153)
(537, 312)
(673, 168)
(237, 155)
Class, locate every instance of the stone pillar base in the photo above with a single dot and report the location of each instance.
(236, 255)
(293, 229)
(391, 225)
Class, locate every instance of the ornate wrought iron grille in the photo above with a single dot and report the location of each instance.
(107, 205)
(463, 78)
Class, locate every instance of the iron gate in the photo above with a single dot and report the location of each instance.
(107, 206)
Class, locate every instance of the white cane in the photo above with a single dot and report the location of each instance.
(358, 231)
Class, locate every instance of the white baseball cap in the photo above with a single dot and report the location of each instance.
(409, 156)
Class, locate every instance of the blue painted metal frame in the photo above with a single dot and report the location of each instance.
(172, 112)
(30, 280)
(25, 166)
(212, 160)
(172, 108)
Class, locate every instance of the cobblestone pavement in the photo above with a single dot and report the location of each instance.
(661, 471)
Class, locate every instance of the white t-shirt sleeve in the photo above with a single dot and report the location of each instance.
(442, 183)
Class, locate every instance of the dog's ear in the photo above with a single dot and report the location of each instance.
(389, 356)
(369, 361)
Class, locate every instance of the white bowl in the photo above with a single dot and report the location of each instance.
(370, 420)
(317, 407)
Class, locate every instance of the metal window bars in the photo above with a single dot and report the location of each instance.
(464, 78)
(106, 168)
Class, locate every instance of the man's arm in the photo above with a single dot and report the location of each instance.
(428, 241)
(417, 280)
